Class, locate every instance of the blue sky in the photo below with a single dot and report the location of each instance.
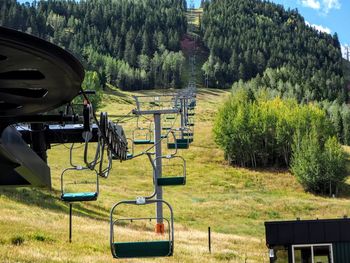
(329, 15)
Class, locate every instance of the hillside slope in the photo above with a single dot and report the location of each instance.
(234, 202)
(246, 37)
(131, 44)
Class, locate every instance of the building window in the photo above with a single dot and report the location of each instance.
(281, 256)
(318, 253)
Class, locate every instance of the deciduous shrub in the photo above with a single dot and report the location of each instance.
(319, 167)
(255, 130)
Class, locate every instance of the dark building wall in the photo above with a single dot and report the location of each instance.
(341, 252)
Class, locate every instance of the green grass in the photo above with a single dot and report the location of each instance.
(234, 202)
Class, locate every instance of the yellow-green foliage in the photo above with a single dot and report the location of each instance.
(92, 82)
(319, 166)
(255, 130)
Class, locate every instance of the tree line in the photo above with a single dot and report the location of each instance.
(131, 44)
(245, 37)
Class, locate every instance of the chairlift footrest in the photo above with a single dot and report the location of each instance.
(179, 145)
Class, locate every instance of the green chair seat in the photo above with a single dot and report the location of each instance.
(179, 145)
(170, 118)
(182, 141)
(192, 104)
(142, 249)
(143, 142)
(79, 197)
(129, 156)
(169, 181)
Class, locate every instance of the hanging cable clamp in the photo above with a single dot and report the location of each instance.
(140, 200)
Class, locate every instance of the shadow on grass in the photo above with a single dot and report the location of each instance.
(213, 92)
(49, 200)
(126, 99)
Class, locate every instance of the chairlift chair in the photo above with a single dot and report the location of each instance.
(192, 104)
(68, 196)
(172, 180)
(141, 249)
(188, 134)
(147, 137)
(179, 141)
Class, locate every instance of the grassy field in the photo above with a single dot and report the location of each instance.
(234, 202)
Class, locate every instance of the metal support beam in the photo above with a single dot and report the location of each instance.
(150, 112)
(38, 144)
(70, 133)
(158, 172)
(56, 118)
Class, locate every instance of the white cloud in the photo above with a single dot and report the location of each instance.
(328, 5)
(319, 27)
(314, 4)
(324, 6)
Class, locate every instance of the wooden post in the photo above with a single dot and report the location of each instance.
(70, 222)
(209, 239)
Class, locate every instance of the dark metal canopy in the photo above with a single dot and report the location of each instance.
(285, 233)
(35, 75)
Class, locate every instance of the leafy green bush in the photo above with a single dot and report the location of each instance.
(92, 82)
(255, 130)
(320, 167)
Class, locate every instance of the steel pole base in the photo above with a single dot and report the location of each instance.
(159, 228)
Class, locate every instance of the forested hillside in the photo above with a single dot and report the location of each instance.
(131, 44)
(245, 37)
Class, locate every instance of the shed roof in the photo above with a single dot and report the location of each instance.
(284, 233)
